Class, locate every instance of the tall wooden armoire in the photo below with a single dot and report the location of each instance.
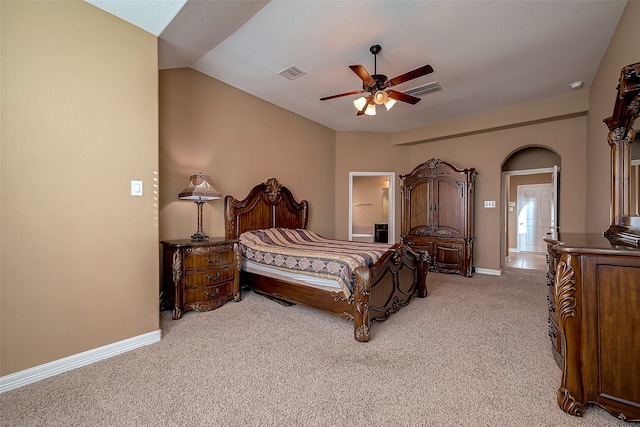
(437, 215)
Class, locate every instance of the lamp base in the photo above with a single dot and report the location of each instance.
(199, 236)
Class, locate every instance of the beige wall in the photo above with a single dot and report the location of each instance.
(623, 50)
(79, 122)
(239, 142)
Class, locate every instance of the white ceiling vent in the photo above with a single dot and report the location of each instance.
(292, 72)
(424, 89)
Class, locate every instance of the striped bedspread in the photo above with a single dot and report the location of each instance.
(305, 251)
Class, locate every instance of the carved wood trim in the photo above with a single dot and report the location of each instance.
(176, 267)
(237, 264)
(272, 189)
(568, 402)
(207, 306)
(362, 290)
(565, 290)
(566, 297)
(201, 250)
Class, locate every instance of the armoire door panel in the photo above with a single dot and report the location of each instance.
(450, 207)
(421, 206)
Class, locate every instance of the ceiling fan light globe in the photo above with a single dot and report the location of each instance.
(390, 102)
(371, 110)
(380, 97)
(360, 103)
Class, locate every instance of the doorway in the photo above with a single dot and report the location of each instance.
(532, 165)
(371, 206)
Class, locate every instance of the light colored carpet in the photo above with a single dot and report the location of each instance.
(475, 352)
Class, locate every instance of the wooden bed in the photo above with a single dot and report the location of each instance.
(378, 291)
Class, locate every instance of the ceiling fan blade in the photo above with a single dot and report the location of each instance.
(418, 72)
(355, 92)
(362, 73)
(399, 96)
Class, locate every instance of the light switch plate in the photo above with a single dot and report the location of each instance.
(136, 188)
(489, 203)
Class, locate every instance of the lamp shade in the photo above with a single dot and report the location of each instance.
(360, 103)
(371, 110)
(199, 188)
(390, 102)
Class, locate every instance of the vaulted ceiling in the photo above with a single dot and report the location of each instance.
(486, 55)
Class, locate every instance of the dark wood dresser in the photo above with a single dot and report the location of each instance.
(200, 276)
(596, 310)
(594, 282)
(437, 215)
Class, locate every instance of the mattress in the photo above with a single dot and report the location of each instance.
(300, 251)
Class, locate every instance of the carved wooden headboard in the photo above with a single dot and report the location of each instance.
(267, 205)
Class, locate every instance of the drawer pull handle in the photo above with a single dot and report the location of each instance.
(212, 261)
(209, 294)
(216, 277)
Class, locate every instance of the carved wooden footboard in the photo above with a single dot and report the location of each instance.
(386, 287)
(379, 290)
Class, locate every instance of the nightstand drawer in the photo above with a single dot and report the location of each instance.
(212, 276)
(222, 291)
(205, 257)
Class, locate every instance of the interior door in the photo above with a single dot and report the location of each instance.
(535, 216)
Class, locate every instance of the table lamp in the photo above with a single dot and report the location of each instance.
(199, 190)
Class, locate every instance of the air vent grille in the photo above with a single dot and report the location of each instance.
(424, 89)
(292, 72)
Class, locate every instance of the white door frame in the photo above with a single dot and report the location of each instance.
(392, 201)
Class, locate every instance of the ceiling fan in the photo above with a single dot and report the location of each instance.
(378, 87)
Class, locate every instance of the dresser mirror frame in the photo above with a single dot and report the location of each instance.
(625, 228)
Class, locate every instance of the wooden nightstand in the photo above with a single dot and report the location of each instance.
(200, 276)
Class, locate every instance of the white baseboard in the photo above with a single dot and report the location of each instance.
(488, 271)
(37, 373)
(513, 250)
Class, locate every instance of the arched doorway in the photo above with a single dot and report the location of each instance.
(529, 205)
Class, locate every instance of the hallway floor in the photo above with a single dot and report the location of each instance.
(527, 260)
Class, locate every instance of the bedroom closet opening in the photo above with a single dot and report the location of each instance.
(371, 207)
(529, 205)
